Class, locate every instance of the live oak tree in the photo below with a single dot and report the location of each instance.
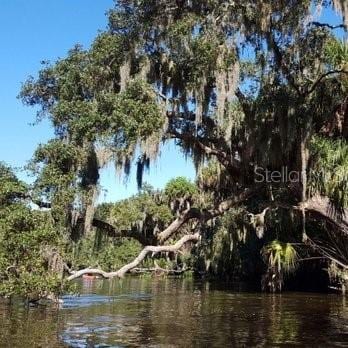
(239, 85)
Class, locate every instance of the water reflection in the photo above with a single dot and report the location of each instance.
(180, 313)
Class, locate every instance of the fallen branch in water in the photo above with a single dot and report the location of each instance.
(148, 249)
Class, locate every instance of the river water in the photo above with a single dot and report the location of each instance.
(169, 312)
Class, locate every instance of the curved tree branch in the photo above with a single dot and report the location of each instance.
(148, 249)
(232, 165)
(322, 77)
(177, 223)
(329, 26)
(203, 215)
(319, 208)
(110, 230)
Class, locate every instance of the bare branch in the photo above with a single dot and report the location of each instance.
(148, 249)
(159, 270)
(93, 271)
(177, 223)
(322, 77)
(329, 26)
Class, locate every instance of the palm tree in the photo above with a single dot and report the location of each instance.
(281, 258)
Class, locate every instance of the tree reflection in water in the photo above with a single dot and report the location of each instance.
(177, 312)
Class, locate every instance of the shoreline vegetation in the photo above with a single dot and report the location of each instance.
(238, 87)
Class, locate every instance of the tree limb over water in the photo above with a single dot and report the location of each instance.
(148, 249)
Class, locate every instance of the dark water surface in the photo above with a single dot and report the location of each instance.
(177, 313)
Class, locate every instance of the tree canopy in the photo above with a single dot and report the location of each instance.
(243, 87)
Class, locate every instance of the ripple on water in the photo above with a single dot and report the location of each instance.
(99, 331)
(81, 301)
(165, 312)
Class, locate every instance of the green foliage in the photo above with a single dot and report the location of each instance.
(82, 97)
(96, 113)
(228, 250)
(143, 211)
(56, 166)
(135, 113)
(109, 255)
(11, 189)
(280, 256)
(204, 52)
(336, 53)
(180, 188)
(180, 70)
(24, 234)
(329, 174)
(213, 178)
(219, 255)
(58, 160)
(182, 28)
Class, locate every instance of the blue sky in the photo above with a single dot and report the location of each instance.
(36, 30)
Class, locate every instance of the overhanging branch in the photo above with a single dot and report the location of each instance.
(232, 165)
(203, 215)
(319, 209)
(329, 26)
(322, 77)
(148, 249)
